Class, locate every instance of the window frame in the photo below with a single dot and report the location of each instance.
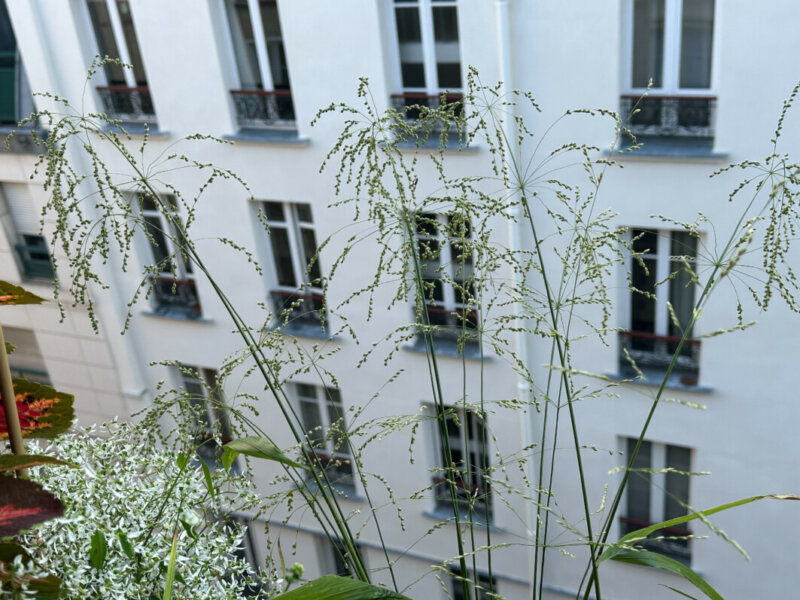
(165, 281)
(659, 489)
(334, 452)
(442, 504)
(687, 369)
(450, 273)
(673, 14)
(23, 229)
(302, 321)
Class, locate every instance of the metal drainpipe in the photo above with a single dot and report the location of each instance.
(515, 236)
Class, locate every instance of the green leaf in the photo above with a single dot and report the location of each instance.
(626, 541)
(125, 543)
(44, 588)
(11, 462)
(261, 448)
(43, 412)
(181, 461)
(659, 561)
(228, 456)
(98, 550)
(169, 580)
(11, 294)
(23, 504)
(209, 483)
(333, 587)
(10, 348)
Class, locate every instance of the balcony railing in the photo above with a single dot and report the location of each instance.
(654, 353)
(297, 309)
(674, 541)
(453, 324)
(667, 116)
(129, 105)
(176, 297)
(35, 261)
(412, 105)
(338, 467)
(260, 109)
(478, 493)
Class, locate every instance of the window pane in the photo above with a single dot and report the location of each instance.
(244, 46)
(312, 421)
(676, 494)
(159, 243)
(126, 18)
(645, 241)
(106, 44)
(282, 254)
(410, 39)
(697, 32)
(648, 42)
(310, 251)
(445, 33)
(643, 307)
(304, 213)
(638, 492)
(681, 288)
(274, 40)
(274, 211)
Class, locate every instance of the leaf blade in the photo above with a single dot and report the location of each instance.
(260, 447)
(98, 550)
(665, 563)
(333, 587)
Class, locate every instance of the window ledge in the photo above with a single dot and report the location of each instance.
(176, 315)
(449, 348)
(655, 381)
(343, 492)
(446, 515)
(136, 129)
(303, 330)
(268, 136)
(678, 147)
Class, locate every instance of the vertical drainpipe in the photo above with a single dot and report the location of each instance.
(515, 236)
(123, 351)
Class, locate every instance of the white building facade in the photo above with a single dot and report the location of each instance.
(256, 72)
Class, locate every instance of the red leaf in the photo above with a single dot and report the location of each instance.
(23, 504)
(43, 412)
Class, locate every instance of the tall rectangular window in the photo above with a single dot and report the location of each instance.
(466, 436)
(126, 95)
(658, 490)
(322, 414)
(670, 44)
(661, 275)
(264, 97)
(208, 411)
(174, 290)
(16, 102)
(447, 274)
(297, 299)
(21, 224)
(428, 55)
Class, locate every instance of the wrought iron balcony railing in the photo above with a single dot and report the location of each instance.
(260, 109)
(298, 309)
(670, 541)
(35, 260)
(412, 105)
(679, 116)
(129, 105)
(176, 296)
(654, 353)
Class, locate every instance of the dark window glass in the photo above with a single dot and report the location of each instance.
(445, 33)
(274, 211)
(283, 256)
(697, 33)
(310, 250)
(410, 39)
(158, 244)
(126, 18)
(648, 42)
(676, 492)
(106, 43)
(638, 492)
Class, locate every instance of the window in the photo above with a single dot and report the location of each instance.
(469, 447)
(208, 409)
(334, 557)
(670, 42)
(174, 292)
(126, 95)
(322, 415)
(15, 97)
(447, 276)
(658, 490)
(21, 224)
(661, 279)
(26, 361)
(297, 299)
(487, 587)
(264, 98)
(428, 61)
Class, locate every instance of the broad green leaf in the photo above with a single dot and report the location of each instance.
(228, 456)
(44, 588)
(11, 462)
(261, 448)
(181, 461)
(43, 412)
(11, 294)
(659, 561)
(98, 550)
(10, 348)
(125, 543)
(23, 504)
(170, 577)
(333, 587)
(209, 483)
(626, 541)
